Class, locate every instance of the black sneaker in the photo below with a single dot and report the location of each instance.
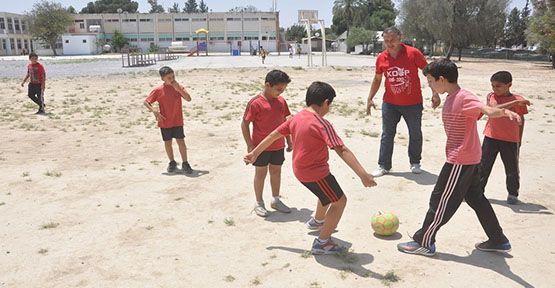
(489, 246)
(186, 168)
(172, 166)
(40, 112)
(512, 200)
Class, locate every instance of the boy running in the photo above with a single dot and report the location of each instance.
(37, 74)
(459, 178)
(503, 135)
(170, 116)
(266, 112)
(312, 136)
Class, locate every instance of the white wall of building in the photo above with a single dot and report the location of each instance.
(79, 44)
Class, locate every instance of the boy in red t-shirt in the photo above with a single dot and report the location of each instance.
(170, 116)
(266, 112)
(460, 177)
(37, 74)
(503, 135)
(312, 136)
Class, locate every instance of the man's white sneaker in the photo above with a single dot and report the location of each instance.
(379, 172)
(260, 210)
(415, 168)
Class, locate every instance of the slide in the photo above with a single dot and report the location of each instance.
(192, 53)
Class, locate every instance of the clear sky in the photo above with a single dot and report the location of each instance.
(288, 8)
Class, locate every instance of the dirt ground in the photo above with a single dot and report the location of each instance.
(85, 200)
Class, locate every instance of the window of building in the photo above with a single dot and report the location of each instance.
(19, 44)
(251, 38)
(251, 19)
(182, 38)
(2, 23)
(12, 44)
(216, 19)
(16, 25)
(67, 41)
(10, 24)
(3, 44)
(199, 19)
(84, 40)
(217, 38)
(147, 39)
(181, 19)
(233, 19)
(233, 38)
(164, 20)
(165, 39)
(129, 20)
(145, 20)
(23, 25)
(81, 25)
(26, 44)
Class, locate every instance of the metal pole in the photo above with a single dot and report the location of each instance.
(309, 31)
(324, 48)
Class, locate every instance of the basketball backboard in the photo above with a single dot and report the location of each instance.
(308, 15)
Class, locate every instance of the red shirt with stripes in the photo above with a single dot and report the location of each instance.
(266, 115)
(504, 128)
(36, 73)
(460, 112)
(311, 135)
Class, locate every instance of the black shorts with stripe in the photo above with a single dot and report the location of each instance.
(174, 132)
(327, 189)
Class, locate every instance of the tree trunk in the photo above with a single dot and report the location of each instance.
(53, 47)
(460, 54)
(553, 60)
(450, 51)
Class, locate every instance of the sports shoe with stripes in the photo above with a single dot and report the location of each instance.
(313, 225)
(414, 247)
(489, 246)
(327, 248)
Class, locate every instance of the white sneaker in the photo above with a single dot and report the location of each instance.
(260, 209)
(415, 168)
(379, 172)
(279, 206)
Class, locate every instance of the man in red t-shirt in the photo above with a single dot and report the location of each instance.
(503, 135)
(312, 137)
(460, 177)
(266, 112)
(170, 116)
(399, 64)
(37, 75)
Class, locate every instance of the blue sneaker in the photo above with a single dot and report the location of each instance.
(414, 247)
(489, 246)
(327, 248)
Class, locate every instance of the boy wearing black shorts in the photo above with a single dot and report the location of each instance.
(170, 116)
(312, 136)
(266, 112)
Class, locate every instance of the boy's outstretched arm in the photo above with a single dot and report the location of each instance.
(349, 157)
(511, 104)
(245, 129)
(494, 112)
(251, 157)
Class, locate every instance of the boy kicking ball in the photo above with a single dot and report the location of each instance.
(312, 136)
(460, 176)
(170, 116)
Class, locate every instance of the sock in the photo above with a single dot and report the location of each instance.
(318, 221)
(260, 203)
(276, 199)
(322, 240)
(185, 162)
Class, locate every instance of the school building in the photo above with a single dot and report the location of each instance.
(227, 30)
(14, 35)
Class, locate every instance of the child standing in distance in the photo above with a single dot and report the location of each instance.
(503, 135)
(312, 136)
(460, 177)
(266, 112)
(37, 74)
(170, 116)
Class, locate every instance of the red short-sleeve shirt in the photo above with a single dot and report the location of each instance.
(311, 135)
(402, 84)
(170, 103)
(266, 115)
(504, 128)
(36, 73)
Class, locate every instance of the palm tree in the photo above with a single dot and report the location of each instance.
(347, 9)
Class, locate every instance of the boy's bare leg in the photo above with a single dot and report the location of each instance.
(321, 210)
(169, 149)
(259, 178)
(182, 149)
(275, 179)
(333, 215)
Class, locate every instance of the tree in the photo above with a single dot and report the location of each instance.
(296, 33)
(48, 21)
(361, 36)
(524, 23)
(71, 10)
(155, 7)
(191, 6)
(110, 6)
(542, 27)
(375, 15)
(202, 7)
(345, 10)
(248, 8)
(118, 41)
(512, 28)
(174, 8)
